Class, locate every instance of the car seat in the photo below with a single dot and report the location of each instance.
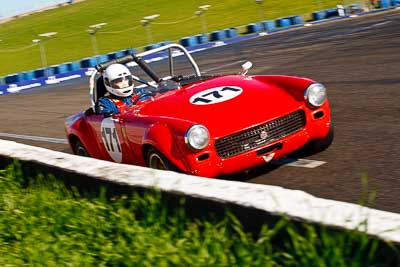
(99, 91)
(100, 88)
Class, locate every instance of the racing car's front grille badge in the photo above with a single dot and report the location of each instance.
(260, 135)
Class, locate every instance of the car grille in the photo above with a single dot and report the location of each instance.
(260, 135)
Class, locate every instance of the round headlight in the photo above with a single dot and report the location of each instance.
(197, 137)
(315, 94)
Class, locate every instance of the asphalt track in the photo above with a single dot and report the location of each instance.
(357, 59)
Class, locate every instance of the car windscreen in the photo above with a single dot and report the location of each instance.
(161, 66)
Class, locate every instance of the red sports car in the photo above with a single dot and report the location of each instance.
(204, 125)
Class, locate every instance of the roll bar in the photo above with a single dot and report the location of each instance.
(169, 47)
(142, 64)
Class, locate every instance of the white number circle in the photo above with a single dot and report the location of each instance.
(216, 95)
(110, 139)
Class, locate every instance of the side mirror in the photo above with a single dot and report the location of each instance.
(245, 67)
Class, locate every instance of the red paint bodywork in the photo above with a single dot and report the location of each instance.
(163, 121)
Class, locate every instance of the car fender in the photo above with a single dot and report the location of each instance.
(318, 128)
(292, 84)
(296, 86)
(160, 136)
(77, 128)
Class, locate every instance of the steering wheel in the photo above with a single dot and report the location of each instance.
(167, 85)
(147, 94)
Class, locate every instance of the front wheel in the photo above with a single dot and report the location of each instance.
(156, 160)
(318, 145)
(80, 149)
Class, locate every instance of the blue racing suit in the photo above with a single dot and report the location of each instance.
(107, 105)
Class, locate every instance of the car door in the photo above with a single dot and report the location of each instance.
(109, 134)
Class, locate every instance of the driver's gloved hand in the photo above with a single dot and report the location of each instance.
(140, 91)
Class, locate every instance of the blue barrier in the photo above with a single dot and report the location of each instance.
(284, 22)
(62, 68)
(119, 53)
(318, 15)
(57, 69)
(152, 46)
(3, 89)
(254, 27)
(331, 12)
(384, 3)
(156, 45)
(294, 20)
(189, 41)
(101, 58)
(28, 75)
(13, 78)
(38, 73)
(217, 35)
(269, 25)
(201, 38)
(128, 51)
(222, 34)
(49, 71)
(111, 55)
(114, 55)
(88, 62)
(231, 33)
(72, 66)
(80, 72)
(164, 43)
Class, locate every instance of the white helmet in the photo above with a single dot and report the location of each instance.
(118, 80)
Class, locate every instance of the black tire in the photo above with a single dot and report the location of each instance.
(156, 160)
(80, 149)
(318, 145)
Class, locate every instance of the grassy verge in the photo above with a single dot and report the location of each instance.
(124, 30)
(42, 223)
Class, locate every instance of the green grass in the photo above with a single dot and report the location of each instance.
(18, 53)
(42, 223)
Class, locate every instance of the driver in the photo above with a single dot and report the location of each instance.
(118, 81)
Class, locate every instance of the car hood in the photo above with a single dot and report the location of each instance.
(231, 103)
